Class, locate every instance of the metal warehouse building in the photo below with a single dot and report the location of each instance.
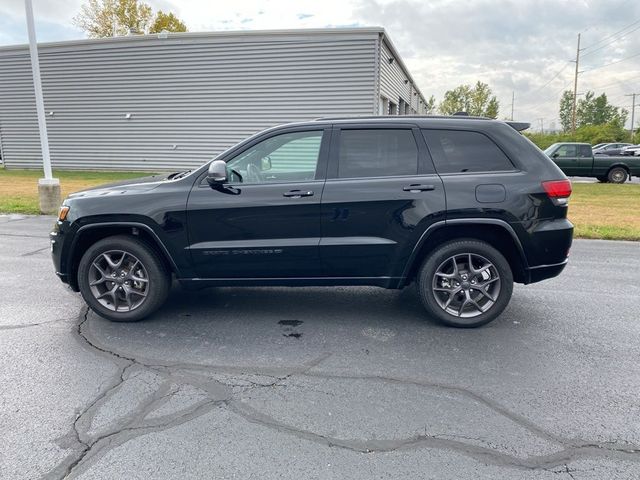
(161, 102)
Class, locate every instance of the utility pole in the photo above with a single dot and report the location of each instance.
(575, 90)
(633, 113)
(48, 187)
(541, 125)
(513, 99)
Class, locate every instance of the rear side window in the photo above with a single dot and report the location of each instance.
(584, 151)
(461, 151)
(377, 153)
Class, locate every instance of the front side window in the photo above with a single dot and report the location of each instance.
(377, 153)
(462, 151)
(288, 157)
(567, 151)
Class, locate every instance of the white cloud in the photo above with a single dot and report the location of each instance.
(512, 45)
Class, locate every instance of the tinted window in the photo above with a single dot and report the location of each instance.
(457, 151)
(281, 158)
(377, 153)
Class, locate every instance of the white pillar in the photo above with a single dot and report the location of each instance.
(48, 187)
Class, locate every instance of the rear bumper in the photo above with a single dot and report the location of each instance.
(542, 272)
(548, 251)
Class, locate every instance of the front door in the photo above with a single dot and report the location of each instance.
(381, 194)
(265, 222)
(574, 159)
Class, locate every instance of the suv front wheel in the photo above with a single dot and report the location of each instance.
(123, 279)
(465, 283)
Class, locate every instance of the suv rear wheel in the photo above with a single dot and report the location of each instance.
(465, 283)
(123, 279)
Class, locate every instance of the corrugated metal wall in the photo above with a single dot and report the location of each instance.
(396, 84)
(188, 98)
(164, 104)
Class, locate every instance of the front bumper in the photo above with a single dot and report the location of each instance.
(59, 252)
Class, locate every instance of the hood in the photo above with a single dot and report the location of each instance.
(122, 186)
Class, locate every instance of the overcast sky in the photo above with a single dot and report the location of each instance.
(524, 46)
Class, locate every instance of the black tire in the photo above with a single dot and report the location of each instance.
(427, 280)
(617, 175)
(148, 286)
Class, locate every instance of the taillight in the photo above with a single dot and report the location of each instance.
(558, 191)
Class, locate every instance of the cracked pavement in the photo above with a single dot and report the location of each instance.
(319, 382)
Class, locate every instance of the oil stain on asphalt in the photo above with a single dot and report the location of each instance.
(289, 328)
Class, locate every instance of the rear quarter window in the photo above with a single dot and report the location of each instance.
(463, 151)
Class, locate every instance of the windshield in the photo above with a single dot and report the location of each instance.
(550, 149)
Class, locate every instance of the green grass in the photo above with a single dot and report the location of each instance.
(19, 188)
(601, 211)
(605, 211)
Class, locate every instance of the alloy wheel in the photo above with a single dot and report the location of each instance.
(466, 285)
(118, 280)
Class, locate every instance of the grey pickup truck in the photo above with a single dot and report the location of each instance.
(577, 159)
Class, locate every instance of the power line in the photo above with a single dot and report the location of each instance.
(612, 42)
(551, 80)
(612, 63)
(612, 35)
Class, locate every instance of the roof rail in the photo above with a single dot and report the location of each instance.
(518, 126)
(375, 117)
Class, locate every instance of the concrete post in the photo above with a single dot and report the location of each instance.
(49, 195)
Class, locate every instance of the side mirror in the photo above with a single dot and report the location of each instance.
(217, 173)
(555, 155)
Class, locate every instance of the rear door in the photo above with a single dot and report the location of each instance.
(381, 194)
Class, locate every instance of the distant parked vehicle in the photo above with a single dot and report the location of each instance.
(577, 159)
(611, 149)
(631, 150)
(598, 145)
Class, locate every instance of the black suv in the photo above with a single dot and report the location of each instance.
(463, 206)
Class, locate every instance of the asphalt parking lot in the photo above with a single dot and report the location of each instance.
(318, 382)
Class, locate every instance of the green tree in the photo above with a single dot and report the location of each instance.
(168, 22)
(566, 110)
(477, 101)
(106, 18)
(431, 105)
(592, 110)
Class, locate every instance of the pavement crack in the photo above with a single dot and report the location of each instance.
(219, 395)
(29, 325)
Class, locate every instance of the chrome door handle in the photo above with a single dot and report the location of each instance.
(298, 193)
(418, 188)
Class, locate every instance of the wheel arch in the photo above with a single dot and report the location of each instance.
(497, 233)
(621, 165)
(89, 234)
